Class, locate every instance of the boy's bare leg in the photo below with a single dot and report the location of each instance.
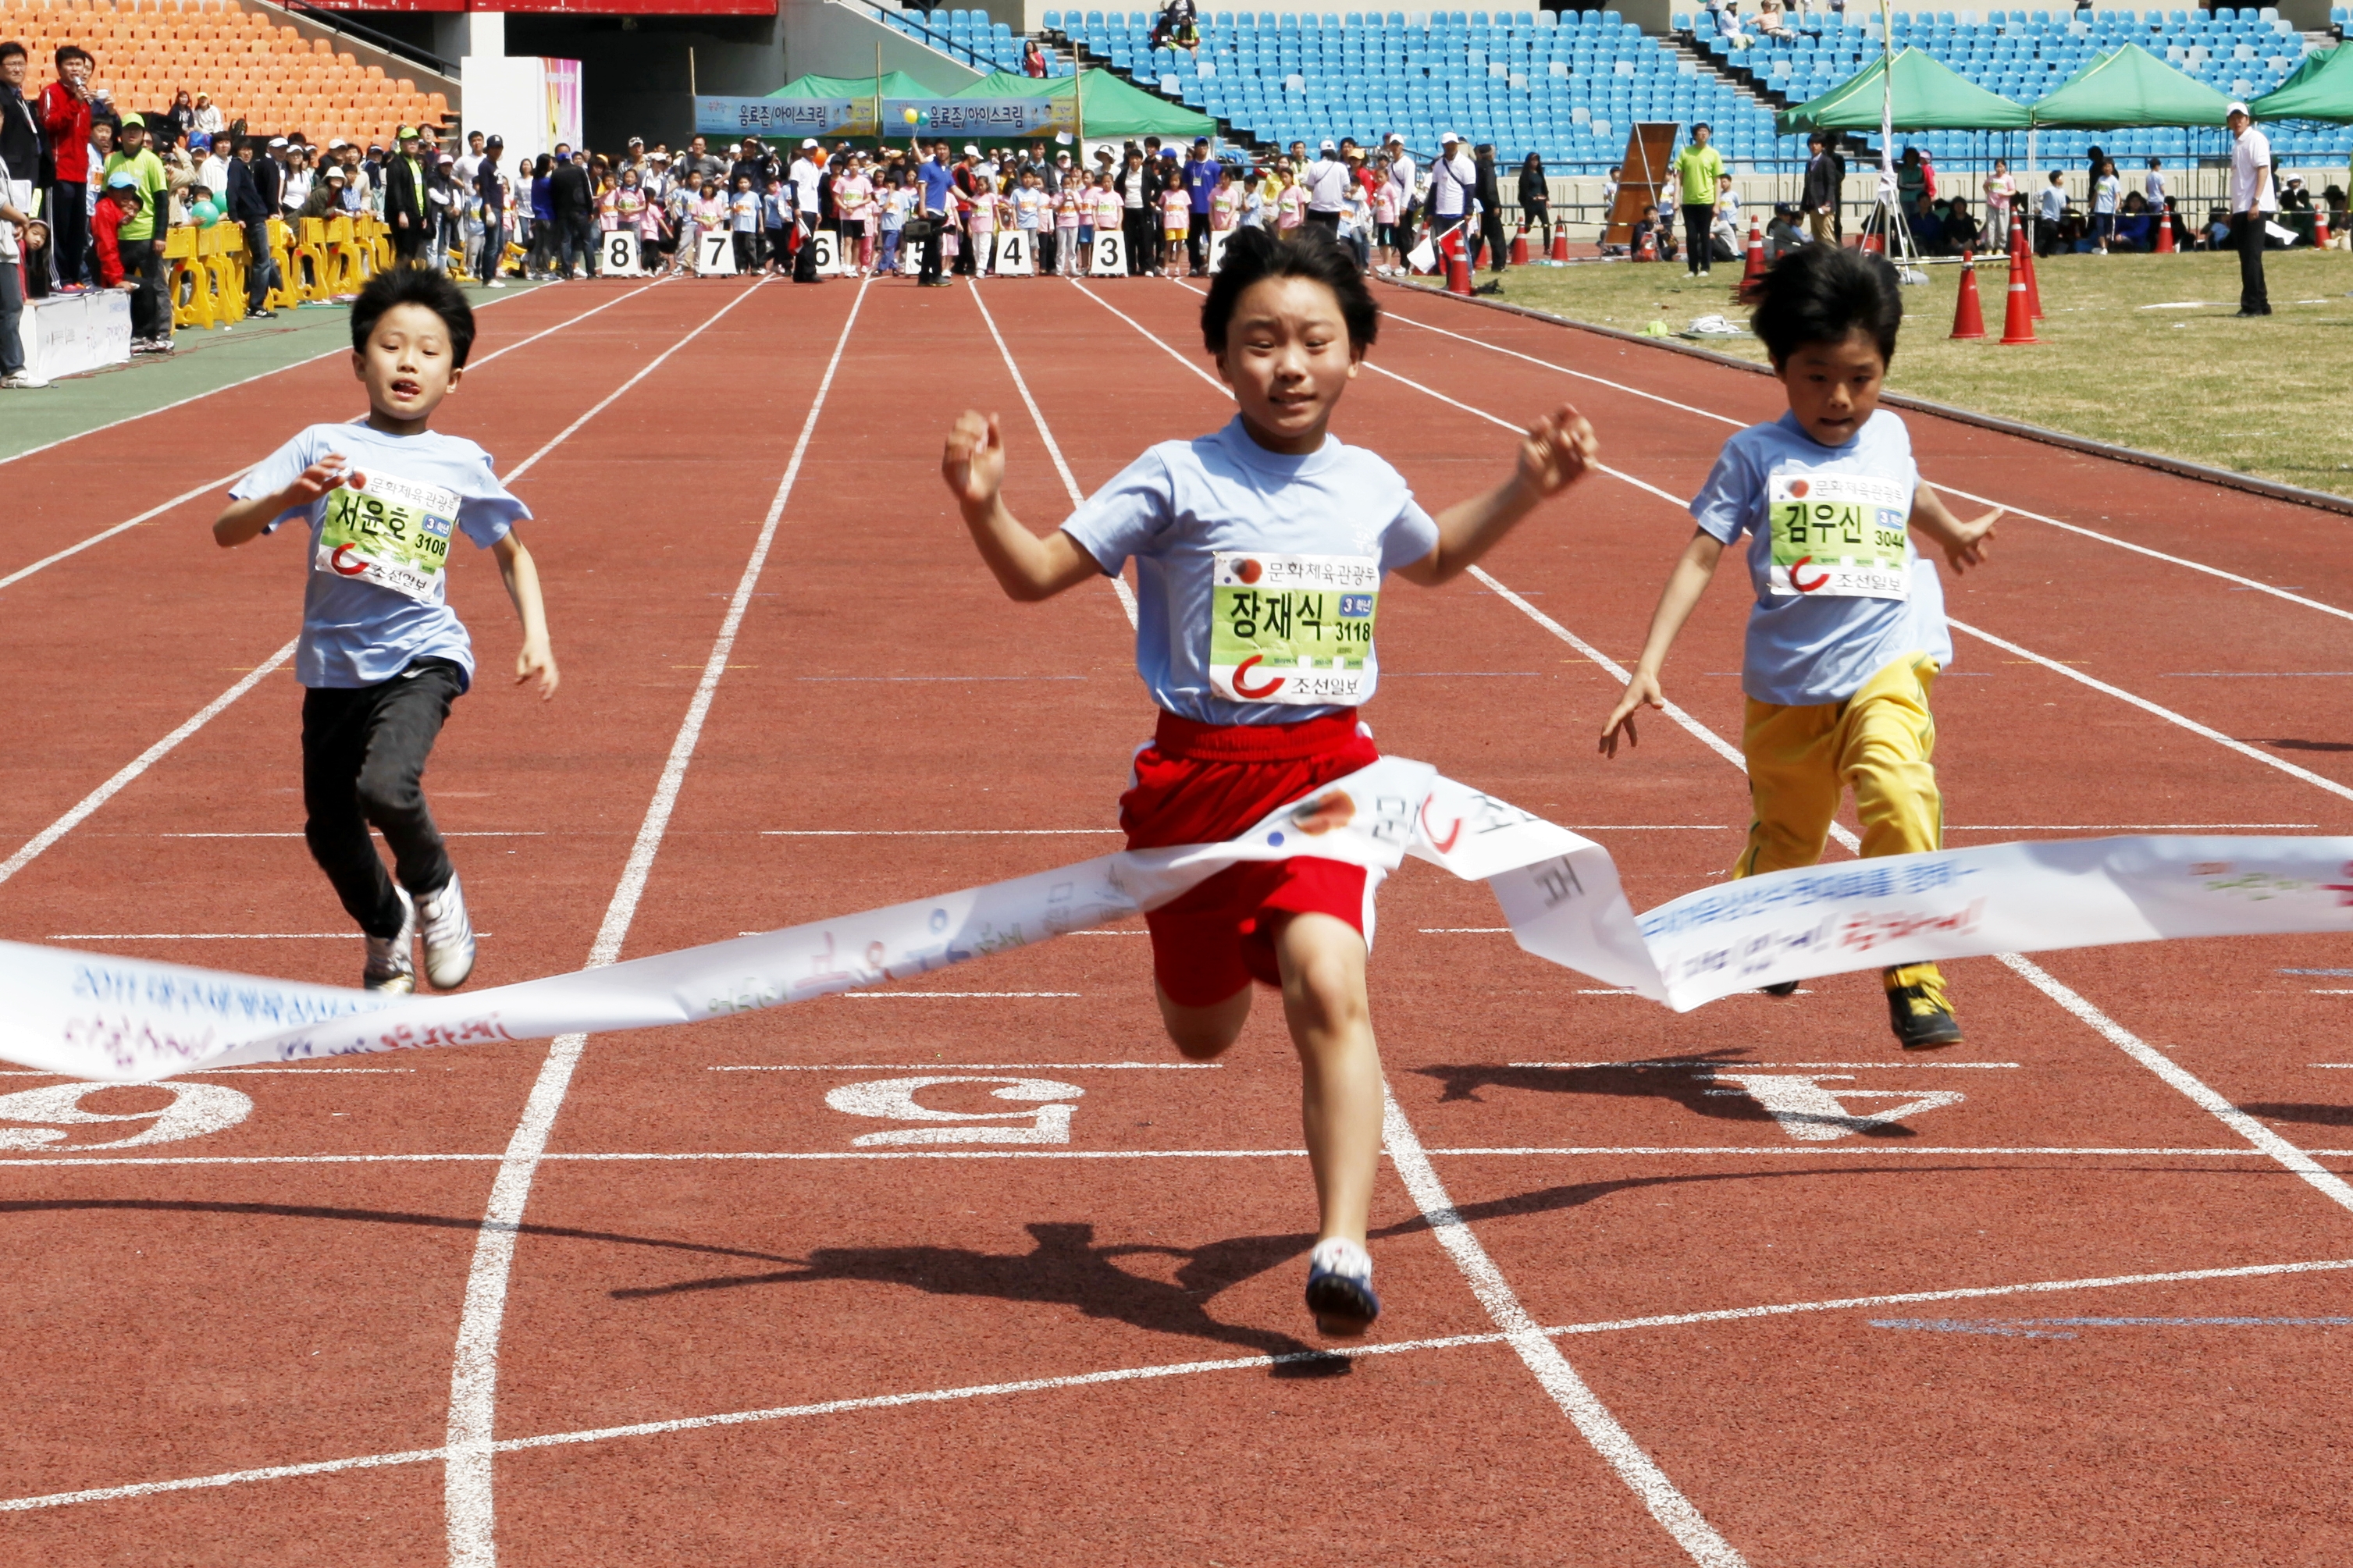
(1323, 963)
(1203, 1033)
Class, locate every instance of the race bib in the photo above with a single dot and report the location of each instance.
(390, 531)
(1292, 628)
(1839, 536)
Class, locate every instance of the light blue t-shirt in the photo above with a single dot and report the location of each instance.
(375, 599)
(1807, 644)
(1184, 503)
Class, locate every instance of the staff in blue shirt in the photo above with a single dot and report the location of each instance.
(1200, 184)
(936, 179)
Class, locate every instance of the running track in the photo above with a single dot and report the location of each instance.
(703, 1326)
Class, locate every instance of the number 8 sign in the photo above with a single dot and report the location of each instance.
(621, 255)
(1111, 255)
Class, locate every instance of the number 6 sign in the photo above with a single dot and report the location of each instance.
(825, 246)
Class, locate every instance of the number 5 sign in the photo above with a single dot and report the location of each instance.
(894, 1099)
(715, 254)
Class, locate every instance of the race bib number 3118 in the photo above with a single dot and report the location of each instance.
(389, 531)
(1292, 628)
(1839, 536)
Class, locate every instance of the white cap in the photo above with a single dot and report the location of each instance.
(1445, 136)
(1329, 147)
(278, 140)
(970, 151)
(338, 141)
(2236, 107)
(809, 141)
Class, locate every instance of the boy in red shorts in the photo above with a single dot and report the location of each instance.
(1259, 552)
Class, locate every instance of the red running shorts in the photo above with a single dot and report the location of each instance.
(1204, 783)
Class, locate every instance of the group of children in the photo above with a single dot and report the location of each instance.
(1846, 636)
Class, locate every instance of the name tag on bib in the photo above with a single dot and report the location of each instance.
(1839, 536)
(390, 531)
(1292, 628)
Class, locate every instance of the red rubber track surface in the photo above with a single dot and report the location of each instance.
(191, 1319)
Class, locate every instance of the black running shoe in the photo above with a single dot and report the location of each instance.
(1922, 1017)
(1340, 1288)
(1785, 988)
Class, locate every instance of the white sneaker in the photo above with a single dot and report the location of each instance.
(448, 937)
(494, 283)
(23, 381)
(390, 966)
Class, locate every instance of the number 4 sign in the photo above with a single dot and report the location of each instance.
(714, 255)
(1013, 254)
(1109, 258)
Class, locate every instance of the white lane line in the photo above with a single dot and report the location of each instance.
(225, 480)
(1949, 489)
(215, 936)
(975, 1067)
(1620, 474)
(1973, 1150)
(2121, 826)
(2191, 1086)
(1053, 449)
(953, 995)
(1148, 1373)
(81, 810)
(1710, 1066)
(2167, 714)
(476, 833)
(1667, 1504)
(467, 1490)
(211, 1072)
(938, 832)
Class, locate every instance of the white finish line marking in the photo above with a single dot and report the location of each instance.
(1703, 1066)
(1148, 1373)
(219, 936)
(951, 995)
(976, 1067)
(938, 832)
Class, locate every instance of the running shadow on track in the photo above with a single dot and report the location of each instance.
(1688, 1085)
(365, 1216)
(2316, 1115)
(1066, 1269)
(2287, 745)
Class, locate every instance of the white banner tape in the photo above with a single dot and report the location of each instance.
(90, 1016)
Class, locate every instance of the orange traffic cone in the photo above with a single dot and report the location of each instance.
(1458, 264)
(2018, 325)
(1559, 244)
(1650, 250)
(1754, 273)
(2320, 227)
(1520, 247)
(2165, 230)
(1968, 314)
(2022, 261)
(1873, 243)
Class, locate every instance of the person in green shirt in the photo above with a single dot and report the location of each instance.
(140, 240)
(1697, 168)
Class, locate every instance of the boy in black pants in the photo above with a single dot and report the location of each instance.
(382, 654)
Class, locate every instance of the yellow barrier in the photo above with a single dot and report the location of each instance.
(319, 260)
(287, 293)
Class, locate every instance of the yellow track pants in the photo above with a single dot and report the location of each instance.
(1877, 742)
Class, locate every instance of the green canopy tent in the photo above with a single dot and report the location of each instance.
(1927, 96)
(2126, 87)
(2319, 89)
(889, 84)
(1110, 108)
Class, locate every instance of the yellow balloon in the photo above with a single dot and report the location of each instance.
(910, 115)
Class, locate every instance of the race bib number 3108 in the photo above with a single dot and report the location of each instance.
(1292, 628)
(392, 532)
(1839, 536)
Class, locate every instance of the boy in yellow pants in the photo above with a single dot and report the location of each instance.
(1848, 632)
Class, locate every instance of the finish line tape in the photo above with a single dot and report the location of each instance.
(90, 1016)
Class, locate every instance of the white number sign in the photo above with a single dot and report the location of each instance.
(1110, 259)
(714, 255)
(894, 1099)
(621, 255)
(1217, 238)
(826, 246)
(195, 1109)
(911, 259)
(1013, 254)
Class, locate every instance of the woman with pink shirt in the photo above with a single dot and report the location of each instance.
(1292, 205)
(853, 198)
(981, 225)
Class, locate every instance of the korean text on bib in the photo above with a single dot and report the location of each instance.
(390, 531)
(1839, 536)
(1292, 628)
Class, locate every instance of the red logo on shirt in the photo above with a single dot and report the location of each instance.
(1799, 489)
(1805, 587)
(336, 560)
(1240, 690)
(1249, 571)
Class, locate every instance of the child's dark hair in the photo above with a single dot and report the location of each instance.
(1822, 293)
(405, 283)
(1254, 255)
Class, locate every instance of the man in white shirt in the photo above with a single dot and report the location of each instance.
(1327, 184)
(807, 171)
(1401, 175)
(2252, 205)
(469, 163)
(213, 172)
(1450, 181)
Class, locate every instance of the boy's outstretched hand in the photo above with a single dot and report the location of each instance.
(1557, 452)
(974, 460)
(537, 659)
(1641, 691)
(330, 472)
(1969, 543)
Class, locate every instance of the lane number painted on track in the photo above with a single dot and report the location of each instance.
(1811, 1112)
(195, 1109)
(894, 1099)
